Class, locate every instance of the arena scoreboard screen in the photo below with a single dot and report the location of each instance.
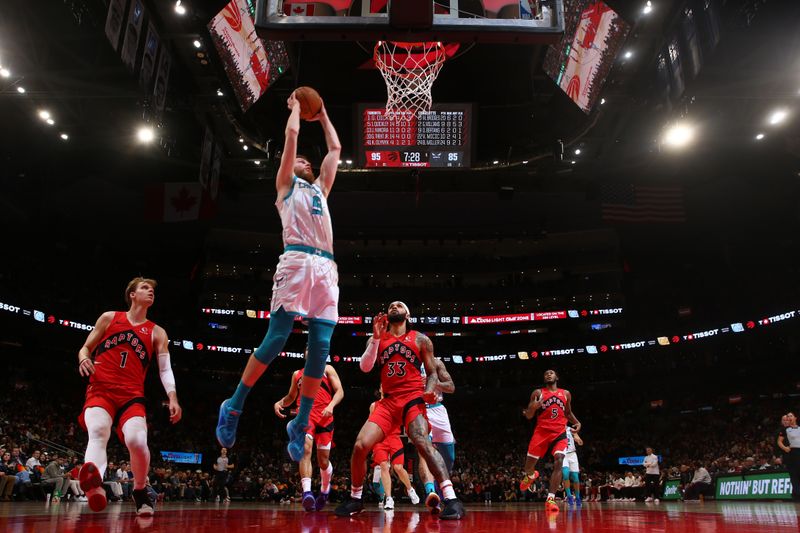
(439, 138)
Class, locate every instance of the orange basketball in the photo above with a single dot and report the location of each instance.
(310, 102)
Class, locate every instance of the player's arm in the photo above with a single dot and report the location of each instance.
(330, 164)
(85, 364)
(445, 383)
(287, 400)
(425, 347)
(379, 324)
(338, 390)
(533, 405)
(161, 345)
(283, 181)
(576, 425)
(782, 445)
(577, 438)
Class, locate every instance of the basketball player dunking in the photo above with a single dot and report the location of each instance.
(552, 407)
(401, 354)
(115, 357)
(319, 430)
(305, 282)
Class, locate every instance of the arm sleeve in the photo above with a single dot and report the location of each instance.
(165, 372)
(369, 356)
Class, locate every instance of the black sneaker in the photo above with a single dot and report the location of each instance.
(144, 505)
(453, 510)
(351, 506)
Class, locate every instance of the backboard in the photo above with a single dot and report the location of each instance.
(484, 21)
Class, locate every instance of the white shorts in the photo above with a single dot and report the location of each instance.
(307, 285)
(571, 462)
(440, 424)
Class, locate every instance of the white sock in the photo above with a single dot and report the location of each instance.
(447, 490)
(98, 424)
(306, 482)
(326, 478)
(355, 492)
(135, 432)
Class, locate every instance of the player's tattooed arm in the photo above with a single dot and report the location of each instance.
(576, 425)
(533, 405)
(425, 347)
(445, 384)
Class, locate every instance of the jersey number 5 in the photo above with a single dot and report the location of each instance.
(553, 413)
(401, 369)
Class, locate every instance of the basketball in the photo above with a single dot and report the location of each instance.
(310, 102)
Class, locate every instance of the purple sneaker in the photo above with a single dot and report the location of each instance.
(308, 501)
(322, 499)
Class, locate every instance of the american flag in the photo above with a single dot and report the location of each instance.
(625, 202)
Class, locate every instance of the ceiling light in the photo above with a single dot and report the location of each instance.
(524, 162)
(577, 151)
(245, 148)
(257, 162)
(5, 72)
(602, 101)
(220, 93)
(628, 54)
(21, 90)
(679, 135)
(197, 44)
(180, 9)
(145, 134)
(778, 116)
(64, 136)
(573, 161)
(759, 136)
(44, 114)
(495, 162)
(648, 7)
(241, 139)
(50, 121)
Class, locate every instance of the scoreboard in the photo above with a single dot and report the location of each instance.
(439, 138)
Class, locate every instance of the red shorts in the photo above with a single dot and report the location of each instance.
(547, 440)
(389, 449)
(393, 413)
(321, 430)
(121, 405)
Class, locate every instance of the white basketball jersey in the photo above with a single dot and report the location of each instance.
(570, 441)
(305, 216)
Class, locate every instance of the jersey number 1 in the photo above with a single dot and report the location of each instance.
(124, 359)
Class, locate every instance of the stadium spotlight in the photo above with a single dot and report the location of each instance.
(21, 90)
(145, 134)
(197, 43)
(44, 114)
(577, 151)
(50, 122)
(679, 135)
(759, 136)
(179, 8)
(220, 93)
(778, 116)
(64, 136)
(245, 148)
(5, 72)
(648, 8)
(628, 54)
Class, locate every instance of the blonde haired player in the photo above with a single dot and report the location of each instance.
(305, 282)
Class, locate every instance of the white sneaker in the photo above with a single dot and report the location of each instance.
(388, 504)
(380, 502)
(216, 499)
(413, 495)
(648, 499)
(82, 499)
(657, 500)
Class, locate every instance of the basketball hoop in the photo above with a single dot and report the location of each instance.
(409, 70)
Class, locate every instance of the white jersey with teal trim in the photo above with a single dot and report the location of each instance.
(570, 441)
(305, 216)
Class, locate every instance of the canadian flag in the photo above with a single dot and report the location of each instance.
(300, 9)
(173, 202)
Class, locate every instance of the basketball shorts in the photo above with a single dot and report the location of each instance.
(307, 285)
(440, 424)
(321, 431)
(547, 441)
(389, 449)
(393, 413)
(571, 462)
(120, 405)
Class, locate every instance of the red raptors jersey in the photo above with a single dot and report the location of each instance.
(552, 413)
(122, 357)
(324, 393)
(401, 366)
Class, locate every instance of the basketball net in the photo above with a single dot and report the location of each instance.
(409, 70)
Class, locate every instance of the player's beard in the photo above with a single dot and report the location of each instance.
(398, 318)
(308, 175)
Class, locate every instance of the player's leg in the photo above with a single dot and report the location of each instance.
(448, 452)
(134, 431)
(537, 447)
(280, 326)
(386, 481)
(370, 434)
(555, 481)
(325, 473)
(402, 475)
(98, 426)
(566, 483)
(305, 475)
(575, 482)
(417, 430)
(319, 345)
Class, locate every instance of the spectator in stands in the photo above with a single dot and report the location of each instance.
(111, 484)
(33, 462)
(8, 477)
(124, 479)
(700, 484)
(54, 476)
